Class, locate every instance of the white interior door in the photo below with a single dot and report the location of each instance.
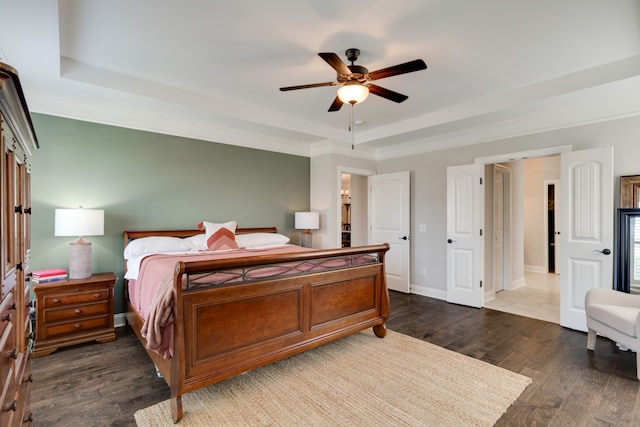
(390, 222)
(586, 231)
(465, 246)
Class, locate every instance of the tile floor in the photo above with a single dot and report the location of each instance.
(539, 299)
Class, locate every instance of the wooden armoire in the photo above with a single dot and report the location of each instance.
(19, 141)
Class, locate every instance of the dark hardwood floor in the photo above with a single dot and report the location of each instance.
(104, 384)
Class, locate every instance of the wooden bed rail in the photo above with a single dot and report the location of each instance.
(192, 267)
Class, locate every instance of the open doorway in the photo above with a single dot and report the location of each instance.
(526, 289)
(345, 210)
(551, 245)
(353, 213)
(552, 226)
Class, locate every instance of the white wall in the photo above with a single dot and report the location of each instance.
(428, 186)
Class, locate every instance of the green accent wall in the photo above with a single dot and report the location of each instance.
(146, 181)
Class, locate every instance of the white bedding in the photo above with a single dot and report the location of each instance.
(133, 264)
(138, 249)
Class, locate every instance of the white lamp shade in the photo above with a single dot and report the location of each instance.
(79, 222)
(307, 220)
(353, 93)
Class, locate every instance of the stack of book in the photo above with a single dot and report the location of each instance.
(49, 275)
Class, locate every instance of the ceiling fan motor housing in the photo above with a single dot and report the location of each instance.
(358, 73)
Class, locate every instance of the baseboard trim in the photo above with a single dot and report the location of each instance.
(535, 269)
(119, 320)
(518, 283)
(429, 292)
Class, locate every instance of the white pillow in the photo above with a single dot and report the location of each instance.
(155, 244)
(260, 240)
(198, 242)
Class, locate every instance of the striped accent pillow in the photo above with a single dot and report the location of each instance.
(221, 236)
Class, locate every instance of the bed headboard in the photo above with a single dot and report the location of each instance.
(131, 235)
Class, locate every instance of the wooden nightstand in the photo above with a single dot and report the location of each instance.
(70, 312)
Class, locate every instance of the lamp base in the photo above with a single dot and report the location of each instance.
(306, 239)
(80, 259)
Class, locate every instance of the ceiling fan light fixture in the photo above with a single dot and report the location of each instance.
(353, 93)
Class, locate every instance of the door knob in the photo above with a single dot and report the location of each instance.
(450, 241)
(604, 251)
(403, 238)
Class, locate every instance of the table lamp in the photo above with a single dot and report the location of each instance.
(307, 221)
(79, 222)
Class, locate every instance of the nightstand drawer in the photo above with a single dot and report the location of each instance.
(75, 327)
(75, 298)
(75, 312)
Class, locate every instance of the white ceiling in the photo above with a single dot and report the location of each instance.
(211, 69)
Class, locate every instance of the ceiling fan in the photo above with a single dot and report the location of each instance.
(355, 79)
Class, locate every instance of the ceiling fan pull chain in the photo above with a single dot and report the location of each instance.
(351, 126)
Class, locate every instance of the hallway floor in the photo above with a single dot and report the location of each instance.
(539, 299)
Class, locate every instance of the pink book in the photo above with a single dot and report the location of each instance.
(49, 272)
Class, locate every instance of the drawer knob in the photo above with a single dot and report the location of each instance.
(6, 317)
(97, 295)
(77, 289)
(77, 326)
(56, 300)
(10, 406)
(77, 311)
(28, 379)
(13, 355)
(28, 419)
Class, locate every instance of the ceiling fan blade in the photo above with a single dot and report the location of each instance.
(337, 104)
(284, 89)
(335, 62)
(386, 93)
(407, 67)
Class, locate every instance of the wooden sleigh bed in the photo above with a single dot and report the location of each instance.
(223, 330)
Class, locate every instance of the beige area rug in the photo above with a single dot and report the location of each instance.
(360, 380)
